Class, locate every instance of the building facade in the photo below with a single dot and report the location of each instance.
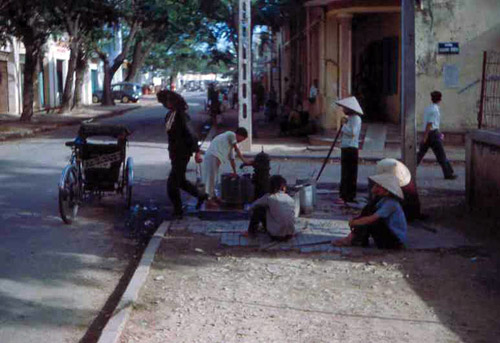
(52, 74)
(354, 47)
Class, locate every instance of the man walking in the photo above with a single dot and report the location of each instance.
(433, 138)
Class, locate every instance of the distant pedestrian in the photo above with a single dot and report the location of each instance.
(213, 100)
(433, 138)
(384, 221)
(313, 92)
(222, 149)
(275, 211)
(349, 149)
(181, 145)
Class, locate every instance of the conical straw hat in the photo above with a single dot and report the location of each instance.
(350, 103)
(388, 182)
(396, 168)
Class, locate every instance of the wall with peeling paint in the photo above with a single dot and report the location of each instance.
(475, 25)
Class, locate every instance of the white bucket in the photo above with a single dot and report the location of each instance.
(306, 199)
(311, 182)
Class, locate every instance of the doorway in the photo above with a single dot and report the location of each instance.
(376, 65)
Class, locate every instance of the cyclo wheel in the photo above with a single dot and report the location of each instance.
(129, 180)
(69, 194)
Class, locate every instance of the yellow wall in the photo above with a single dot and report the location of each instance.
(331, 79)
(475, 25)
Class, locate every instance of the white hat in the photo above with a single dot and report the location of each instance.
(396, 168)
(350, 103)
(388, 182)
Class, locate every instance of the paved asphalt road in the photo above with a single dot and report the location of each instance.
(55, 278)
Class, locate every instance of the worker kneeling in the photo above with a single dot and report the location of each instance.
(275, 210)
(384, 220)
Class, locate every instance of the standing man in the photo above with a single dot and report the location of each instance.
(181, 145)
(433, 138)
(349, 149)
(221, 149)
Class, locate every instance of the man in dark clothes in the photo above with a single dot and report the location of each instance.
(181, 145)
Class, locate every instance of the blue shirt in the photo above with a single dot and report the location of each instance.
(433, 116)
(390, 210)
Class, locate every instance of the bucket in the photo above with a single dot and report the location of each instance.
(237, 190)
(311, 182)
(306, 199)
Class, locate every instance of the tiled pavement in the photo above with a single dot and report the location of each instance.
(314, 232)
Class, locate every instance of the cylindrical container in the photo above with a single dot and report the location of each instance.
(246, 188)
(311, 182)
(296, 198)
(306, 199)
(230, 189)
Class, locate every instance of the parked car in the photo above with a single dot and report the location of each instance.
(123, 91)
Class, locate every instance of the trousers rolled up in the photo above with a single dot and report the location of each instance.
(211, 165)
(177, 181)
(436, 144)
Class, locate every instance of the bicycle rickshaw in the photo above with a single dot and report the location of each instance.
(95, 168)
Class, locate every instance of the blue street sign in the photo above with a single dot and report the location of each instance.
(448, 48)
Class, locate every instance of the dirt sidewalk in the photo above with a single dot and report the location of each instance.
(200, 291)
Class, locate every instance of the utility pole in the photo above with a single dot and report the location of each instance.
(408, 119)
(245, 71)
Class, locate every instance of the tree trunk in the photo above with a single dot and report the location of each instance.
(81, 68)
(33, 53)
(138, 60)
(68, 86)
(107, 99)
(110, 70)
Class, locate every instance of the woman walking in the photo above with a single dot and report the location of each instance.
(181, 146)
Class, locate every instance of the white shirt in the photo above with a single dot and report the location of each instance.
(222, 146)
(280, 213)
(433, 116)
(351, 131)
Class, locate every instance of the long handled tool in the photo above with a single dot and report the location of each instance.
(329, 152)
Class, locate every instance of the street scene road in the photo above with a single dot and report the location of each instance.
(57, 279)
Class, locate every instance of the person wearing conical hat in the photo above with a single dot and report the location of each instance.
(411, 202)
(386, 223)
(349, 146)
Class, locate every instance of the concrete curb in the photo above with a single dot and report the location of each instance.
(54, 126)
(114, 328)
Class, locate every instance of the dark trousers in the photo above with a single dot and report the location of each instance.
(349, 173)
(383, 236)
(177, 181)
(257, 217)
(434, 142)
